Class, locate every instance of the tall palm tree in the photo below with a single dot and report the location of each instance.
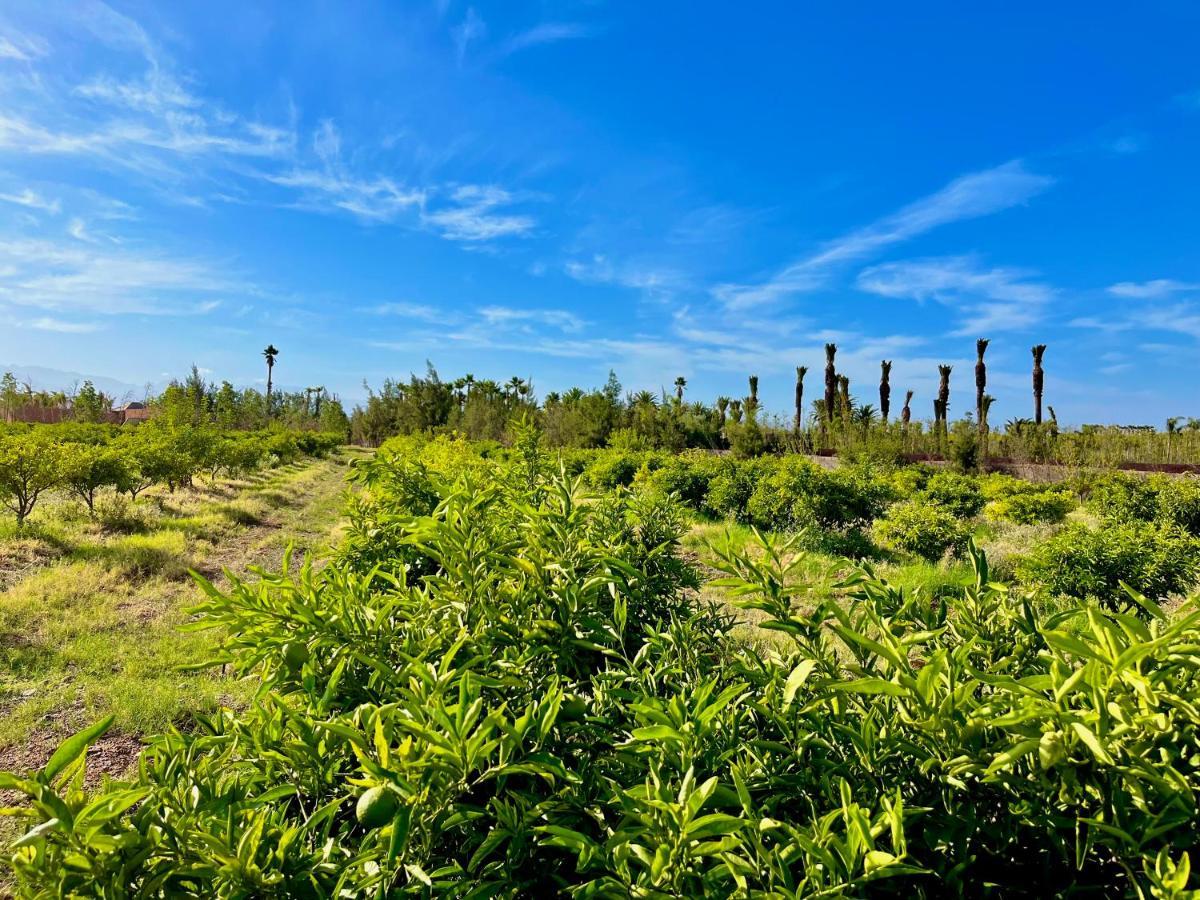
(468, 382)
(754, 390)
(981, 346)
(831, 383)
(844, 398)
(1039, 380)
(885, 389)
(801, 371)
(735, 411)
(680, 384)
(269, 355)
(906, 413)
(722, 406)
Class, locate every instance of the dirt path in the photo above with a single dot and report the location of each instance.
(94, 631)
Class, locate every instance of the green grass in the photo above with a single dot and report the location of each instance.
(90, 607)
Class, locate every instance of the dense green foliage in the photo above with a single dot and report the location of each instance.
(1082, 562)
(502, 687)
(87, 459)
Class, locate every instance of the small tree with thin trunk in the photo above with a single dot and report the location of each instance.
(885, 389)
(942, 406)
(680, 384)
(29, 467)
(801, 371)
(1039, 381)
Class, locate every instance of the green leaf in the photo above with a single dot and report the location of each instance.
(70, 749)
(796, 680)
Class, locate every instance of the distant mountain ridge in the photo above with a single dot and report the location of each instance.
(46, 379)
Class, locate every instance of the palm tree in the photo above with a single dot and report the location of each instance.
(643, 398)
(981, 346)
(680, 384)
(801, 371)
(754, 390)
(944, 391)
(1039, 380)
(906, 413)
(844, 398)
(269, 354)
(831, 383)
(885, 389)
(468, 382)
(735, 411)
(722, 406)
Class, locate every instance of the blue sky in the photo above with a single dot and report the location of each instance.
(552, 189)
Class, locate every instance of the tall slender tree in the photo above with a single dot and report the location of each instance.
(942, 407)
(753, 398)
(1039, 381)
(269, 355)
(981, 346)
(844, 399)
(722, 407)
(801, 371)
(885, 389)
(831, 383)
(906, 413)
(680, 384)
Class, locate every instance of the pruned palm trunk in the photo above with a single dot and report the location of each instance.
(830, 387)
(885, 389)
(981, 346)
(1039, 381)
(844, 401)
(801, 371)
(752, 400)
(942, 407)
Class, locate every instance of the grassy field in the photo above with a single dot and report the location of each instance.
(90, 606)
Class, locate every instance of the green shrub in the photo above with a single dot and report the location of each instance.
(687, 476)
(1085, 563)
(1124, 497)
(1031, 508)
(1179, 502)
(924, 530)
(955, 493)
(730, 487)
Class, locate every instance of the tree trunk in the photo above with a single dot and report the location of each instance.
(981, 346)
(885, 389)
(830, 381)
(1039, 380)
(801, 371)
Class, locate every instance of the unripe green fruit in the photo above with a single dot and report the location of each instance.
(295, 654)
(1051, 749)
(376, 807)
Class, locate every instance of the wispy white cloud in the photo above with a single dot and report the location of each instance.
(21, 47)
(560, 319)
(969, 197)
(471, 29)
(474, 215)
(986, 299)
(32, 200)
(52, 276)
(1149, 290)
(61, 326)
(1177, 318)
(655, 281)
(403, 310)
(545, 33)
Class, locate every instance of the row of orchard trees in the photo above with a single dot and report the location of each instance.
(85, 460)
(194, 401)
